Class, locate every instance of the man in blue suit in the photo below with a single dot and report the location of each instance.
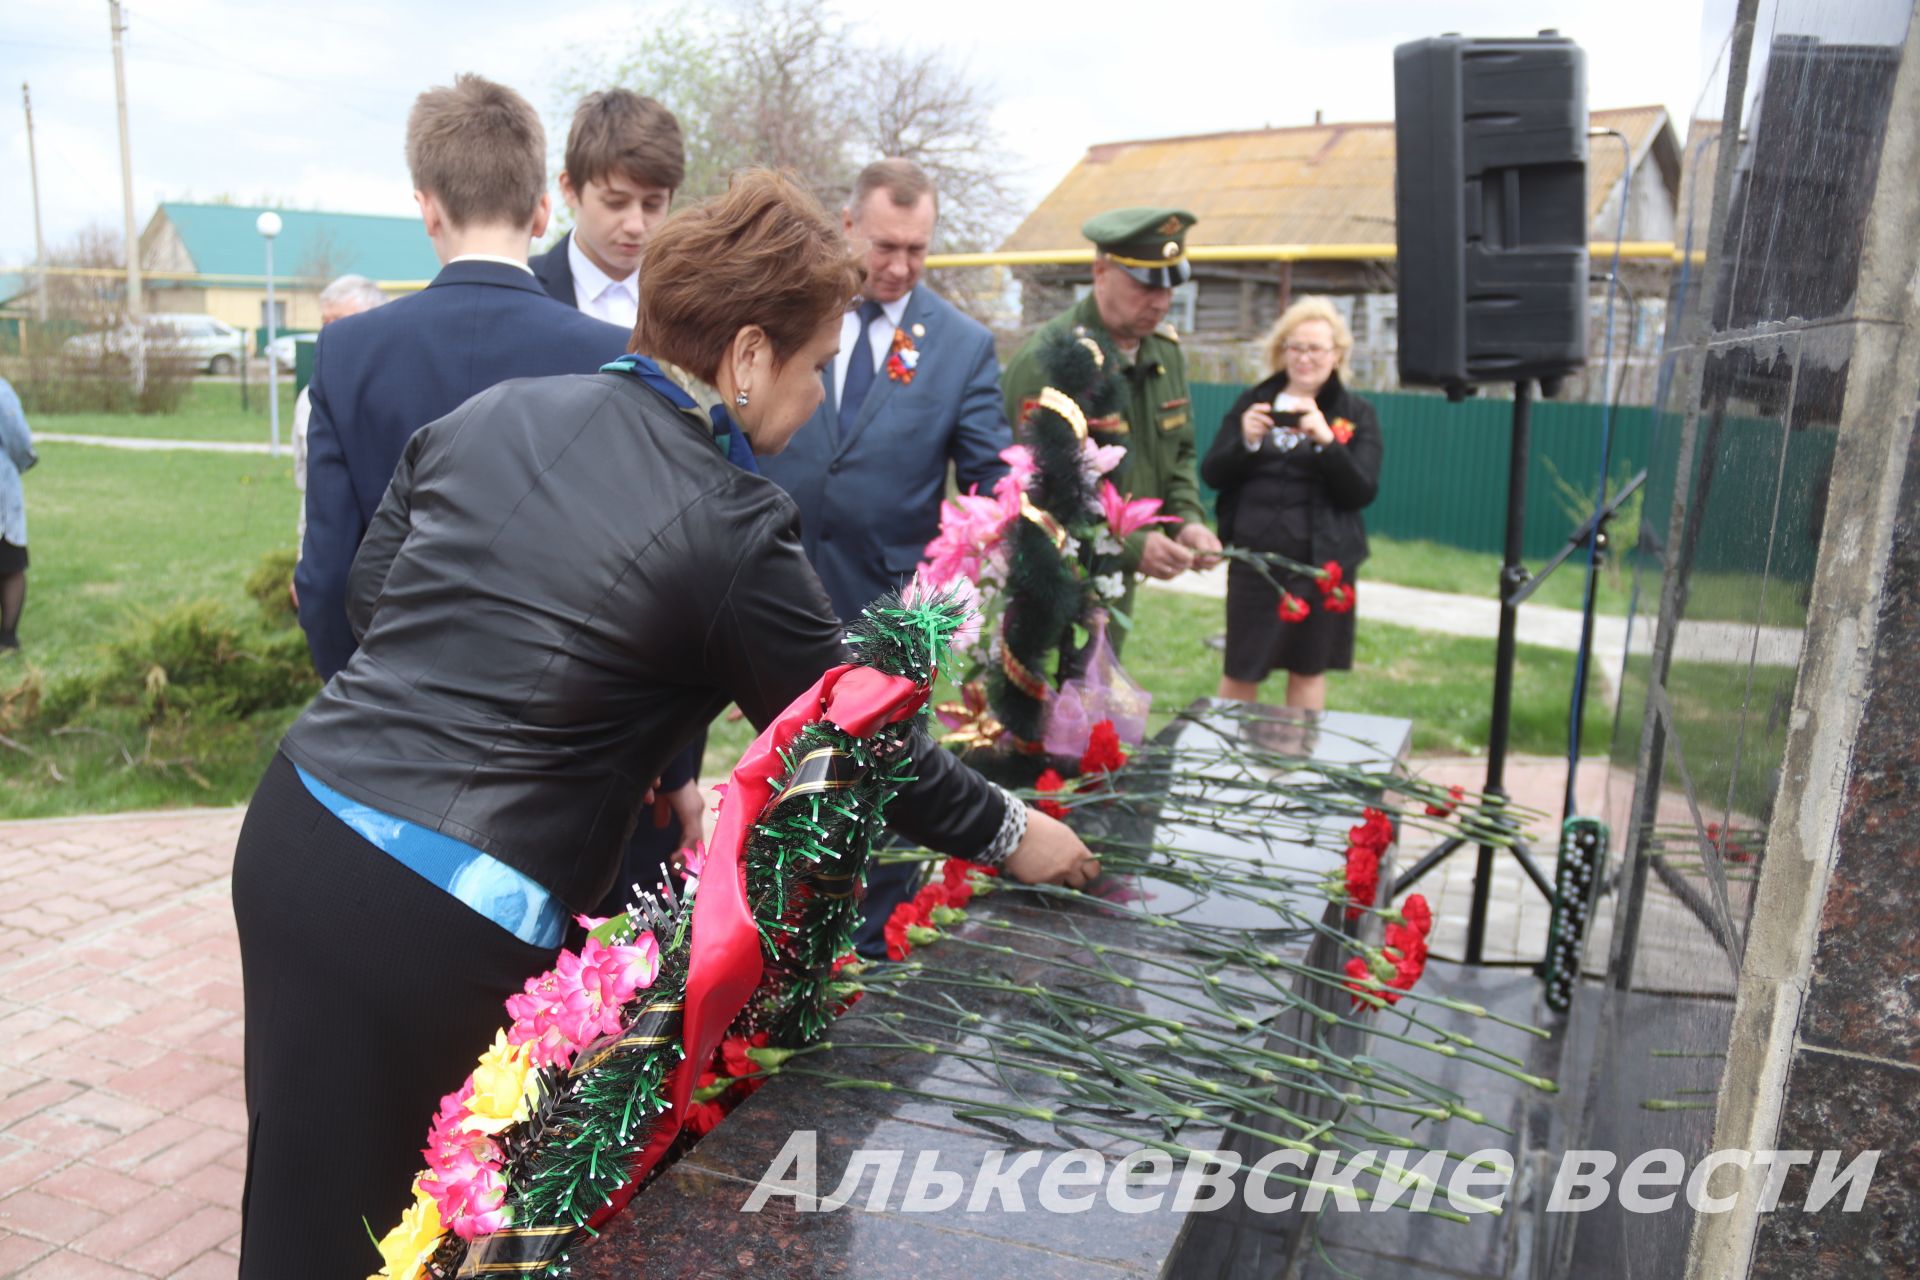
(477, 153)
(916, 386)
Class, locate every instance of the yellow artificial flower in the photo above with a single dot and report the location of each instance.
(504, 1086)
(407, 1247)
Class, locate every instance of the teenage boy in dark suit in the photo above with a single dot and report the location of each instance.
(478, 158)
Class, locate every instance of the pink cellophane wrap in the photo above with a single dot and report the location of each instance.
(1105, 692)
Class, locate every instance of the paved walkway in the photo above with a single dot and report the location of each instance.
(141, 444)
(122, 1124)
(1541, 624)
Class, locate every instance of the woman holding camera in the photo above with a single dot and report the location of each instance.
(1295, 461)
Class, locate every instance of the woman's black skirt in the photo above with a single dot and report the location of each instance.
(13, 559)
(370, 993)
(1259, 643)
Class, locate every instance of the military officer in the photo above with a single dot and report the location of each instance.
(1140, 256)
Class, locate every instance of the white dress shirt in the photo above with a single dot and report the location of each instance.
(599, 294)
(492, 257)
(879, 340)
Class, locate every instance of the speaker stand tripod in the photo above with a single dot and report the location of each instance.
(1514, 581)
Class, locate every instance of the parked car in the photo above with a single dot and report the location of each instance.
(208, 344)
(282, 350)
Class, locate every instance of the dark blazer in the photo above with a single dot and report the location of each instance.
(554, 270)
(565, 581)
(870, 500)
(1349, 474)
(382, 375)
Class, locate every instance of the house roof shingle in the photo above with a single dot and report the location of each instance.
(1313, 184)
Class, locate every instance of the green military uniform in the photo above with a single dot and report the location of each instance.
(1156, 424)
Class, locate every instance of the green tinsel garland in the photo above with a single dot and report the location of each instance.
(1050, 592)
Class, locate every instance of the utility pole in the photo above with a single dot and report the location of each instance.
(33, 171)
(134, 307)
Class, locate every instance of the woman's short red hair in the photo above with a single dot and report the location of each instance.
(765, 253)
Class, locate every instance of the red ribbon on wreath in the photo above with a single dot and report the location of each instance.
(724, 961)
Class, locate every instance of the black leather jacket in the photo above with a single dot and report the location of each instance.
(565, 582)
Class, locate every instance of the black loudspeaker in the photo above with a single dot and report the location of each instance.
(1490, 168)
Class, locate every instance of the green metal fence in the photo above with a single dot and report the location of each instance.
(1444, 477)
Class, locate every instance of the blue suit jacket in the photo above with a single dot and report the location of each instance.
(870, 500)
(382, 375)
(554, 270)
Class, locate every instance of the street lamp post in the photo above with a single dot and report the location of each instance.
(268, 225)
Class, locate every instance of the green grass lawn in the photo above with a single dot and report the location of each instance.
(211, 411)
(115, 532)
(1444, 684)
(1715, 596)
(1436, 567)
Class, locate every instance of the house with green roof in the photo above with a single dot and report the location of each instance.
(209, 260)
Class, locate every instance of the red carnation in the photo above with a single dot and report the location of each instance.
(1363, 878)
(1455, 795)
(1409, 940)
(932, 894)
(1103, 753)
(1293, 608)
(955, 875)
(1330, 576)
(1374, 832)
(703, 1116)
(1408, 943)
(1050, 781)
(733, 1054)
(1361, 982)
(904, 917)
(1339, 599)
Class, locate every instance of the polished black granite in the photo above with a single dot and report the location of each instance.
(689, 1222)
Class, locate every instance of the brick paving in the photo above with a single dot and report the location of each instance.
(122, 1121)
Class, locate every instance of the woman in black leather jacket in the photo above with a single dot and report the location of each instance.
(1295, 461)
(565, 581)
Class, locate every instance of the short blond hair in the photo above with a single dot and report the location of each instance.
(478, 148)
(1313, 307)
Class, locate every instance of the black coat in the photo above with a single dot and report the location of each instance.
(1349, 473)
(565, 583)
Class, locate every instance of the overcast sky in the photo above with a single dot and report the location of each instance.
(306, 102)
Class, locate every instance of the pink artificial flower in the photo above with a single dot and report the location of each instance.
(594, 985)
(448, 1141)
(1098, 459)
(1125, 516)
(1020, 465)
(536, 1017)
(471, 1196)
(969, 526)
(694, 858)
